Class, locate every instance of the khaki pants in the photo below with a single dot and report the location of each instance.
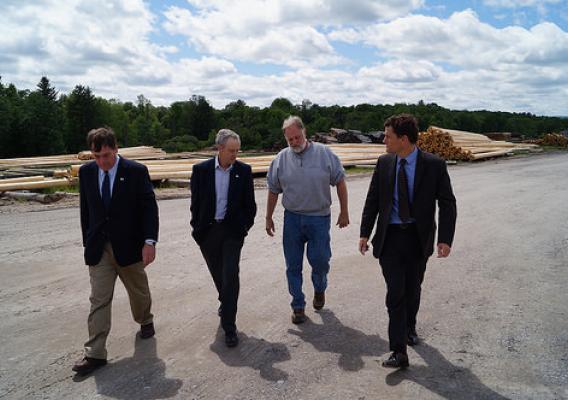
(103, 278)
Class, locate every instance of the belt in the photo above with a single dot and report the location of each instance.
(402, 227)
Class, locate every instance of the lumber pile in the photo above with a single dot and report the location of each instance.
(471, 146)
(441, 143)
(552, 139)
(134, 153)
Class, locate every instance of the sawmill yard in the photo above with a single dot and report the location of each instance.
(493, 319)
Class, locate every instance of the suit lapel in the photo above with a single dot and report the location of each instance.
(418, 173)
(233, 182)
(210, 182)
(119, 179)
(391, 174)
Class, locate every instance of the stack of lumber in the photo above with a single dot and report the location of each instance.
(553, 139)
(449, 144)
(471, 146)
(441, 143)
(134, 153)
(32, 182)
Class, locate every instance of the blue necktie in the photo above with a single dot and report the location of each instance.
(106, 190)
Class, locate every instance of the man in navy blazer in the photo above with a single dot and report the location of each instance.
(404, 189)
(222, 212)
(119, 223)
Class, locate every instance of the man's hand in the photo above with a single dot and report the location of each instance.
(270, 227)
(148, 254)
(342, 220)
(363, 245)
(443, 250)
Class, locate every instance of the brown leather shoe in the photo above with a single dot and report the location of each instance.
(319, 300)
(396, 360)
(298, 316)
(88, 365)
(147, 331)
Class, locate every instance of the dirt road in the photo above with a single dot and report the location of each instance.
(494, 315)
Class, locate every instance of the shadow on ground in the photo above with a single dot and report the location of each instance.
(332, 336)
(140, 377)
(443, 378)
(254, 353)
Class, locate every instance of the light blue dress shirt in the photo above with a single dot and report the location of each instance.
(222, 178)
(111, 176)
(410, 169)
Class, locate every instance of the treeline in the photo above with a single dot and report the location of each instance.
(44, 122)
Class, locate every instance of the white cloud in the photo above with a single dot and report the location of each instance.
(458, 62)
(519, 3)
(275, 31)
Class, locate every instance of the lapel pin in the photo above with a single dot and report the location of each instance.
(236, 175)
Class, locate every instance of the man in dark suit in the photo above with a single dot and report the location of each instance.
(403, 192)
(119, 222)
(222, 212)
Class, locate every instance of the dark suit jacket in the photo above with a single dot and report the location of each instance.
(431, 183)
(132, 217)
(241, 206)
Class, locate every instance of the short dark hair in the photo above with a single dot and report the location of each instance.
(100, 137)
(404, 124)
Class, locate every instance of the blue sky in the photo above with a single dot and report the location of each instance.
(507, 55)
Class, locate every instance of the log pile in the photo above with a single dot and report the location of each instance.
(134, 153)
(449, 144)
(552, 139)
(477, 146)
(441, 143)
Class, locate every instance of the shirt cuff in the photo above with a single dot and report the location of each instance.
(151, 242)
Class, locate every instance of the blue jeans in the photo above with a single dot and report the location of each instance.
(299, 230)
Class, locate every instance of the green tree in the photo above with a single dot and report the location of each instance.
(80, 112)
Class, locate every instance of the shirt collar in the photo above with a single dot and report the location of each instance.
(411, 158)
(217, 165)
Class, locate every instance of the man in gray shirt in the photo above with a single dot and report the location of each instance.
(303, 172)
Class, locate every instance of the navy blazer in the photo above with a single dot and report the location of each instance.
(132, 216)
(431, 184)
(241, 206)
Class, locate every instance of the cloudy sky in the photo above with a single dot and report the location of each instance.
(508, 55)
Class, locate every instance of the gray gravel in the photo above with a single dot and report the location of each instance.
(493, 318)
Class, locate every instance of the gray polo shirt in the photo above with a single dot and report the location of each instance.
(304, 179)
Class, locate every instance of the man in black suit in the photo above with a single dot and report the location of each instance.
(222, 211)
(119, 222)
(403, 192)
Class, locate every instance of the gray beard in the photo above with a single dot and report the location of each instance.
(299, 149)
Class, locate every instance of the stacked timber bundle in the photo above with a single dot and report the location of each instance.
(553, 139)
(480, 146)
(438, 142)
(134, 153)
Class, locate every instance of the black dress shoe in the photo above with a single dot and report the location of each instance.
(396, 360)
(298, 316)
(319, 300)
(231, 339)
(88, 365)
(413, 339)
(147, 331)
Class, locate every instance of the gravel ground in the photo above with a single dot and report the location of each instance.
(493, 318)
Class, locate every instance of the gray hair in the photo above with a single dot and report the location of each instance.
(225, 134)
(293, 120)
